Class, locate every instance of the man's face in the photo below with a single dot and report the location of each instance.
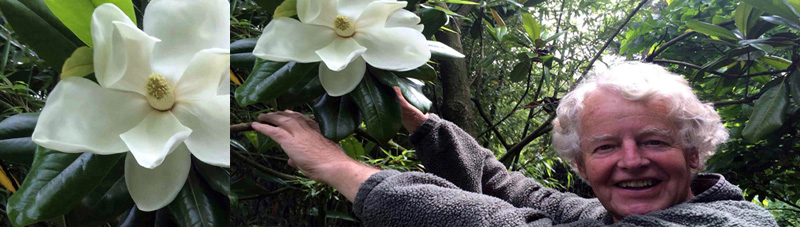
(631, 155)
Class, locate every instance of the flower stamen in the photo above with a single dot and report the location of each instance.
(343, 26)
(160, 94)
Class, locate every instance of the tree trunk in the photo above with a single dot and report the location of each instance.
(456, 105)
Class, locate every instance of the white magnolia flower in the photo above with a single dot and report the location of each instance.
(343, 34)
(162, 95)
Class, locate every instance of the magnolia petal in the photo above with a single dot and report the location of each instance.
(121, 51)
(185, 28)
(398, 48)
(201, 79)
(209, 121)
(404, 18)
(340, 52)
(318, 12)
(155, 137)
(376, 14)
(342, 82)
(353, 8)
(153, 189)
(80, 116)
(286, 39)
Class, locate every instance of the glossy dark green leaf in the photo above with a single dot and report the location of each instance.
(57, 182)
(338, 117)
(775, 7)
(197, 205)
(710, 29)
(520, 71)
(303, 92)
(379, 107)
(531, 3)
(217, 177)
(432, 19)
(794, 86)
(411, 88)
(15, 138)
(136, 217)
(242, 53)
(745, 18)
(782, 21)
(769, 113)
(106, 202)
(37, 27)
(424, 72)
(268, 80)
(246, 187)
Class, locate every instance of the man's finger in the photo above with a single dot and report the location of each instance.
(281, 120)
(400, 97)
(273, 132)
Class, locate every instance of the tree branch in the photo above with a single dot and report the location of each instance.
(600, 52)
(676, 40)
(690, 65)
(516, 148)
(241, 127)
(527, 88)
(489, 122)
(262, 168)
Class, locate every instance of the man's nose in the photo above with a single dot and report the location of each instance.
(632, 156)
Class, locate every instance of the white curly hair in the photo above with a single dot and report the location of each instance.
(700, 127)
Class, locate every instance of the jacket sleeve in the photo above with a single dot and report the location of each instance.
(391, 198)
(448, 152)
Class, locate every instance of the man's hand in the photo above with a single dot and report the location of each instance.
(412, 117)
(310, 152)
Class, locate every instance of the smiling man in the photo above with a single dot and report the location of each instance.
(636, 133)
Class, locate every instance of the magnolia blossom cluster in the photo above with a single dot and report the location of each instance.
(161, 94)
(345, 35)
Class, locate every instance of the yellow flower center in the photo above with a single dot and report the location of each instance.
(160, 95)
(343, 26)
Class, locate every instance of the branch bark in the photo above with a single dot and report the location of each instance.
(690, 65)
(600, 52)
(517, 148)
(489, 122)
(676, 40)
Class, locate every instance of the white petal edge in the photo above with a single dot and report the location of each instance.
(201, 79)
(155, 137)
(353, 8)
(210, 124)
(80, 116)
(286, 39)
(128, 65)
(153, 189)
(103, 31)
(185, 28)
(397, 49)
(342, 82)
(317, 12)
(340, 52)
(377, 13)
(404, 18)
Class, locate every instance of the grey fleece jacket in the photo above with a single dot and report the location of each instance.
(467, 186)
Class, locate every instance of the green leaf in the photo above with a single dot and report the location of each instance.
(424, 72)
(531, 26)
(531, 3)
(217, 177)
(410, 88)
(305, 91)
(710, 29)
(286, 9)
(776, 7)
(57, 183)
(352, 147)
(246, 187)
(794, 86)
(242, 53)
(745, 18)
(520, 71)
(269, 5)
(268, 80)
(37, 27)
(77, 14)
(198, 205)
(782, 21)
(106, 202)
(379, 107)
(441, 51)
(80, 64)
(460, 2)
(432, 19)
(768, 115)
(338, 117)
(15, 138)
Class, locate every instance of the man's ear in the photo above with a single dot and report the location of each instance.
(693, 158)
(581, 169)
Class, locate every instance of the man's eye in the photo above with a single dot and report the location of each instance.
(654, 143)
(604, 147)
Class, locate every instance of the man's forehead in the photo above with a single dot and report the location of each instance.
(644, 131)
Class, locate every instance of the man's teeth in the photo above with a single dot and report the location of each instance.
(637, 184)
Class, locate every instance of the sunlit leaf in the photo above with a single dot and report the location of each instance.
(769, 113)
